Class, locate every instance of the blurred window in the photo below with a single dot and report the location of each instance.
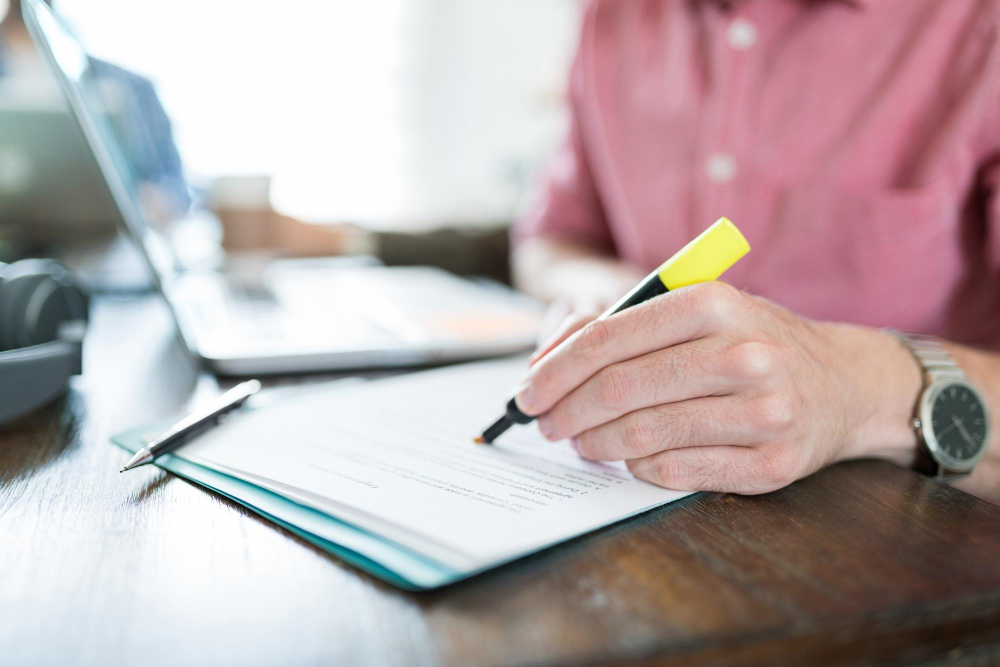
(383, 111)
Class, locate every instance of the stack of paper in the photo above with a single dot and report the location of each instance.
(385, 474)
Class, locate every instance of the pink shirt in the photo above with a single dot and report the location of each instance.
(856, 143)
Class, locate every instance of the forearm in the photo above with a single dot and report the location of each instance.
(551, 269)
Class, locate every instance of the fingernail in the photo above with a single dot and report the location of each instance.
(525, 399)
(547, 427)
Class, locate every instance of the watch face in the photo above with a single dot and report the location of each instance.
(958, 425)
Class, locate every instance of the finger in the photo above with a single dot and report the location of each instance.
(746, 470)
(704, 367)
(673, 318)
(699, 422)
(569, 326)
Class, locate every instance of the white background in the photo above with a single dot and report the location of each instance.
(401, 111)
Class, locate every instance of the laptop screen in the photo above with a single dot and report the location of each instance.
(95, 103)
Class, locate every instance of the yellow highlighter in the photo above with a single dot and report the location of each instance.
(705, 258)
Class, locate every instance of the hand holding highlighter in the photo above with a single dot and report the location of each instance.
(705, 258)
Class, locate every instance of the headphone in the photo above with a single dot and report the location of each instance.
(43, 316)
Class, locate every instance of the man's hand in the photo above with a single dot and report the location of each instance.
(708, 388)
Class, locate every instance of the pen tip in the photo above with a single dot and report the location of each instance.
(123, 470)
(479, 440)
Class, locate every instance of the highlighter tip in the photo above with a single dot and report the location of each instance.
(491, 434)
(479, 440)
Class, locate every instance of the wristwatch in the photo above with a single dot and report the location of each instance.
(950, 418)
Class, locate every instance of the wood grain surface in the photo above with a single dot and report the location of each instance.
(862, 563)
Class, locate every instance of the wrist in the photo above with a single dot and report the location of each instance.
(881, 394)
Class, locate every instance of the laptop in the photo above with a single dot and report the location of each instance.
(295, 315)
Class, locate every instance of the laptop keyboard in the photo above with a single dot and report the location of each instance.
(309, 306)
(253, 311)
(249, 292)
(357, 309)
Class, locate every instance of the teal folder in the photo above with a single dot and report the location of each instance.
(393, 563)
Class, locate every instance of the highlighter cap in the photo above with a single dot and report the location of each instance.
(706, 257)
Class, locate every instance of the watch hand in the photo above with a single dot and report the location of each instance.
(938, 435)
(965, 433)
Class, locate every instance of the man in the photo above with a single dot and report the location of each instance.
(855, 143)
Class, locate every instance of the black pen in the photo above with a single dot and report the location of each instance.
(705, 258)
(194, 424)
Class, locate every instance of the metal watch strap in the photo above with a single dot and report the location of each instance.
(931, 355)
(937, 364)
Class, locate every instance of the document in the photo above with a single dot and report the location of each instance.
(396, 458)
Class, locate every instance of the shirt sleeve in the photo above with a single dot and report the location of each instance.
(566, 202)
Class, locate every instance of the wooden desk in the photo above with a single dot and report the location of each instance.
(861, 561)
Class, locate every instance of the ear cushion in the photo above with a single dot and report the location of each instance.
(36, 298)
(14, 297)
(33, 376)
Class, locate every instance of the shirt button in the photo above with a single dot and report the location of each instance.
(742, 34)
(720, 168)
